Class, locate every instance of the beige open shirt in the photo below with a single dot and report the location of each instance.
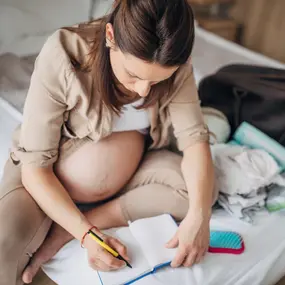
(61, 104)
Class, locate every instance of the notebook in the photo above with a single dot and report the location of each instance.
(145, 240)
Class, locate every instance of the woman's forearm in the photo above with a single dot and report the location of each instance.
(54, 200)
(198, 172)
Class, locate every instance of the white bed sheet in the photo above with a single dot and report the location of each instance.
(9, 120)
(262, 263)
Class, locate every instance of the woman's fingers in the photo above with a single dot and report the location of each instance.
(101, 259)
(188, 256)
(111, 261)
(97, 264)
(179, 257)
(190, 259)
(201, 255)
(104, 261)
(118, 246)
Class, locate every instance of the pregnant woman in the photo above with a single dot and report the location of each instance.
(104, 100)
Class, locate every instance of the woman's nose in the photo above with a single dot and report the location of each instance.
(142, 88)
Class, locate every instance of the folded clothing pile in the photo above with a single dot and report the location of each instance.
(242, 178)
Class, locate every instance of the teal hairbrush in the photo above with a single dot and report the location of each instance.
(226, 242)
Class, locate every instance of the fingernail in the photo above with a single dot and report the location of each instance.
(29, 277)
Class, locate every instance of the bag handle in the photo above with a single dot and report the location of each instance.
(282, 139)
(239, 95)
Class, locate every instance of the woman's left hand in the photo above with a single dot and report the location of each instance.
(192, 239)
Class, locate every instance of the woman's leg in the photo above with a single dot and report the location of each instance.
(157, 187)
(91, 172)
(23, 226)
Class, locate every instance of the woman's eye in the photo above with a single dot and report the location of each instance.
(132, 76)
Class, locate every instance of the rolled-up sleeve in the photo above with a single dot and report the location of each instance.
(44, 108)
(185, 111)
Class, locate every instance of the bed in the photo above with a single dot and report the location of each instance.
(256, 266)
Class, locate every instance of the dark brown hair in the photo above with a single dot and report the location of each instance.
(157, 31)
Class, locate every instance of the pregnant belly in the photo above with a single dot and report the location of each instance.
(97, 171)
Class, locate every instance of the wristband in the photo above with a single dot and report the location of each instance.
(84, 236)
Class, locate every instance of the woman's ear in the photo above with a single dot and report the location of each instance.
(110, 40)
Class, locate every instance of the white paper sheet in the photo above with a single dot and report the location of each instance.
(153, 235)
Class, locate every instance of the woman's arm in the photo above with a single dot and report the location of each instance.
(40, 135)
(198, 171)
(39, 144)
(54, 200)
(193, 140)
(192, 237)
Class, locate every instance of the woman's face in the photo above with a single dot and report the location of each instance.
(133, 73)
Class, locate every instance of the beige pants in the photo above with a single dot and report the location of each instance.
(157, 187)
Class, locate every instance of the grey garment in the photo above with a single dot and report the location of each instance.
(271, 198)
(276, 198)
(243, 207)
(15, 75)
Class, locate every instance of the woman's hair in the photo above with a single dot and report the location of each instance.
(156, 31)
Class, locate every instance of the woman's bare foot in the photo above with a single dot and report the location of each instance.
(55, 240)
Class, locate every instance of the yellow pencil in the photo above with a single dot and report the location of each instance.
(107, 247)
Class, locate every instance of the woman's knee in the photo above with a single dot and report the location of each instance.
(23, 227)
(160, 167)
(163, 167)
(152, 200)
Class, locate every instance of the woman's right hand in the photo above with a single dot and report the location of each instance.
(99, 258)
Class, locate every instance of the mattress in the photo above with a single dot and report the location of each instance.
(262, 263)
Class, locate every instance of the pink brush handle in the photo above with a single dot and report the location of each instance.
(227, 250)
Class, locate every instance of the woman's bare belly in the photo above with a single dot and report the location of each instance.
(99, 170)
